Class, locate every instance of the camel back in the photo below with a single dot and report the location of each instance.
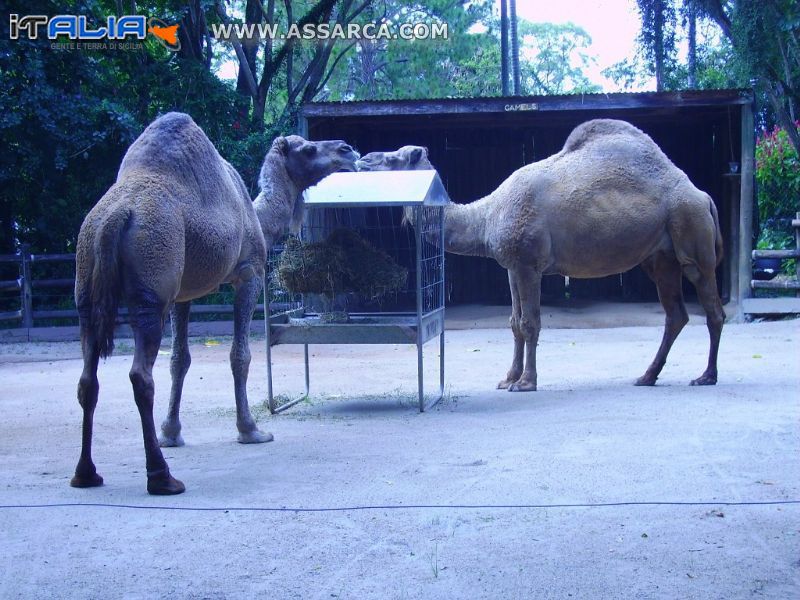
(176, 148)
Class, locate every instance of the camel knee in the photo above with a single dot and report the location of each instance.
(180, 363)
(516, 326)
(715, 318)
(143, 385)
(88, 388)
(240, 359)
(530, 325)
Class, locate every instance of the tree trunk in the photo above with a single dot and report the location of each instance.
(254, 16)
(692, 56)
(504, 46)
(658, 34)
(514, 46)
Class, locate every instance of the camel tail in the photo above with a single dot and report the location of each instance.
(106, 282)
(717, 231)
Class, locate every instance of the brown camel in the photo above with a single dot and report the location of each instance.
(177, 223)
(608, 201)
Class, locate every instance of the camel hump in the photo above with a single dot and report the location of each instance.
(590, 131)
(174, 144)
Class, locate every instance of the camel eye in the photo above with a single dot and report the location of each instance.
(309, 150)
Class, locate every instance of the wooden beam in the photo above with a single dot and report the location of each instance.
(776, 284)
(746, 208)
(771, 306)
(776, 253)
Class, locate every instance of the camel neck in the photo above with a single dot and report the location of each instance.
(276, 204)
(465, 228)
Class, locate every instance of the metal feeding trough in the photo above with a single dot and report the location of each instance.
(370, 204)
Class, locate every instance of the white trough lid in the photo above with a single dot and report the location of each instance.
(378, 188)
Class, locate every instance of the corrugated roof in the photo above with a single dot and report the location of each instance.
(529, 103)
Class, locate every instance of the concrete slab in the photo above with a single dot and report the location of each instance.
(475, 499)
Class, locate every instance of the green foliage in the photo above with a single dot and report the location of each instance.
(553, 58)
(778, 178)
(68, 116)
(457, 66)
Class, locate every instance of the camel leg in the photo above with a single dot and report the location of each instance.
(147, 322)
(178, 366)
(706, 286)
(666, 273)
(88, 389)
(243, 307)
(515, 371)
(529, 287)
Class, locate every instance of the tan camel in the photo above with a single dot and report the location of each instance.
(608, 201)
(177, 223)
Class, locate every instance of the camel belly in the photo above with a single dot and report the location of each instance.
(599, 253)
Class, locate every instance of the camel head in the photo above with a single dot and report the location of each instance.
(292, 165)
(307, 163)
(407, 158)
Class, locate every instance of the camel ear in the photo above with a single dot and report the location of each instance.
(281, 144)
(416, 155)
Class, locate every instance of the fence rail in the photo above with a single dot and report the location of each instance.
(26, 286)
(777, 305)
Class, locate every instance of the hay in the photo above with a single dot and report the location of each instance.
(344, 262)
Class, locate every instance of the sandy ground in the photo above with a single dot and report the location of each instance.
(457, 491)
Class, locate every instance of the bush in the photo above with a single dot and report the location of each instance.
(778, 177)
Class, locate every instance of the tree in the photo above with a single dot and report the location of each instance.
(763, 35)
(554, 58)
(67, 118)
(657, 37)
(766, 38)
(420, 68)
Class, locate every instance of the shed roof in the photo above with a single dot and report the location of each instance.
(511, 104)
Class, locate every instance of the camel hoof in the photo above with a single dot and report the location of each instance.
(164, 484)
(86, 481)
(522, 386)
(255, 437)
(645, 379)
(705, 380)
(503, 385)
(170, 441)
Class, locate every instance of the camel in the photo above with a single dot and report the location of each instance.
(177, 223)
(608, 201)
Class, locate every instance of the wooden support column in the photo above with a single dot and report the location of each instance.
(746, 212)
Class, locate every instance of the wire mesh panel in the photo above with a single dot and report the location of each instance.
(357, 259)
(431, 284)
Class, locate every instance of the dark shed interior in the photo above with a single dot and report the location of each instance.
(476, 143)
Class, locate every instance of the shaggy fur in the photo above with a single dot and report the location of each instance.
(177, 223)
(608, 201)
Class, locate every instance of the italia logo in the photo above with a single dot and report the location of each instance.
(76, 27)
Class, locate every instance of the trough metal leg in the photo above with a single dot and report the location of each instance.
(420, 386)
(307, 378)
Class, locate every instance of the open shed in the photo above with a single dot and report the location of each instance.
(475, 143)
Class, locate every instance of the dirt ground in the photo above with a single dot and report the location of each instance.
(588, 488)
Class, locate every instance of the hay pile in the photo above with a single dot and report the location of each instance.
(344, 262)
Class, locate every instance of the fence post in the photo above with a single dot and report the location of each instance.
(27, 287)
(796, 224)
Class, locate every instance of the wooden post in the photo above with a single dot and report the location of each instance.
(746, 210)
(27, 287)
(796, 225)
